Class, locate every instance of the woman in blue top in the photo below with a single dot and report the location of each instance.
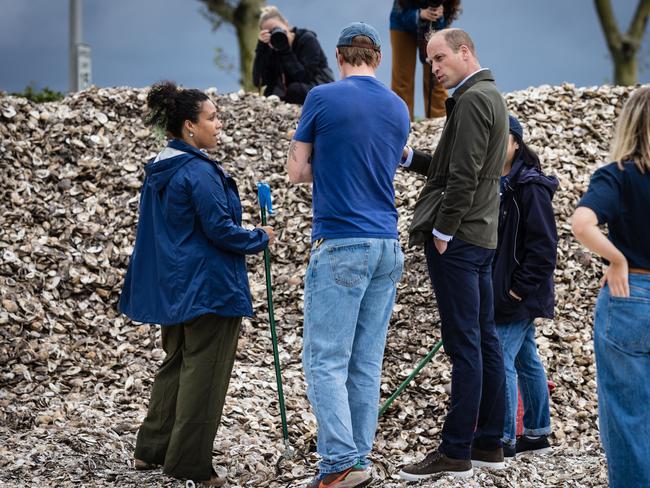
(410, 22)
(619, 196)
(188, 273)
(522, 279)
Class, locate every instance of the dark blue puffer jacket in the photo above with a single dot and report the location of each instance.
(189, 255)
(527, 249)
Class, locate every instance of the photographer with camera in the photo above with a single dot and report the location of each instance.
(410, 23)
(288, 61)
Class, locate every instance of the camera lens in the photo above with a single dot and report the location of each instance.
(279, 39)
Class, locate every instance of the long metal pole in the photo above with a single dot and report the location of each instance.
(76, 16)
(274, 338)
(415, 372)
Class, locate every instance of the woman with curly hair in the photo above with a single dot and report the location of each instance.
(411, 21)
(188, 273)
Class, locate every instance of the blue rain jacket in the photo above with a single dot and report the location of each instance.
(190, 249)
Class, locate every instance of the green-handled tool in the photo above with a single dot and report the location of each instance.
(266, 204)
(405, 383)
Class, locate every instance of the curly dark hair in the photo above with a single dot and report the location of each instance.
(170, 106)
(452, 10)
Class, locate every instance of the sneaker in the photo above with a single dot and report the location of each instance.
(533, 445)
(509, 450)
(141, 465)
(437, 463)
(353, 477)
(484, 458)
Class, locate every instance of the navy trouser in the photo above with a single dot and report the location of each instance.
(462, 282)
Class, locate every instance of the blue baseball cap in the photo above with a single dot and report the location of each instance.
(350, 31)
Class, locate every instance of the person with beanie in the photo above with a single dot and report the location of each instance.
(522, 279)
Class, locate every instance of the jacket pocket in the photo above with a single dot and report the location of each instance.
(349, 263)
(426, 210)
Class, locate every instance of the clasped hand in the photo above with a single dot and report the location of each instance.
(432, 14)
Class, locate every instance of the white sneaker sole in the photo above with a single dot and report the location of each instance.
(533, 452)
(484, 464)
(417, 477)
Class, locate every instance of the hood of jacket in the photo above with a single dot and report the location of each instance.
(173, 157)
(520, 174)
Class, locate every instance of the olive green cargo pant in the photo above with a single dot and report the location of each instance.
(188, 395)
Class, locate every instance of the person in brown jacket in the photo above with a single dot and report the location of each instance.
(456, 219)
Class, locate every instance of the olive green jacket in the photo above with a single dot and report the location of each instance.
(461, 195)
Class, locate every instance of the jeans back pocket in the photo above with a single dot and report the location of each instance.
(349, 263)
(628, 324)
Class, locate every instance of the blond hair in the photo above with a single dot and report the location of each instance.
(271, 12)
(632, 136)
(360, 54)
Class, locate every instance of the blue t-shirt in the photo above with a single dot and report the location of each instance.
(358, 128)
(621, 199)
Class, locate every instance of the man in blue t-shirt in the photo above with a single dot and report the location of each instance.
(349, 143)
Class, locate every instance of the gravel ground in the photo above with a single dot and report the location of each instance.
(75, 375)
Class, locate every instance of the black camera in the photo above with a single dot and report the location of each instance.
(279, 39)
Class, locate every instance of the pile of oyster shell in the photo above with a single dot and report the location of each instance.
(75, 375)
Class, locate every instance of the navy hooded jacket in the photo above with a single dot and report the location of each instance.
(189, 255)
(527, 249)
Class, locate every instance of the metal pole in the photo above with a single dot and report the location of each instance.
(274, 337)
(415, 372)
(76, 16)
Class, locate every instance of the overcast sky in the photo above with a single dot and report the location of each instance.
(137, 42)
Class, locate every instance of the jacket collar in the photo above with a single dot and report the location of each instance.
(185, 147)
(522, 174)
(180, 145)
(513, 175)
(482, 75)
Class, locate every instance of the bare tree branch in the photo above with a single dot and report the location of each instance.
(608, 24)
(623, 47)
(243, 15)
(639, 22)
(222, 9)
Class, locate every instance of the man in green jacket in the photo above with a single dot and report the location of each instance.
(456, 219)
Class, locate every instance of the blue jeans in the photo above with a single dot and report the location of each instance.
(522, 362)
(622, 347)
(462, 282)
(350, 290)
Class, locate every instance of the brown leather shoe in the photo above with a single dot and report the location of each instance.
(492, 458)
(437, 463)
